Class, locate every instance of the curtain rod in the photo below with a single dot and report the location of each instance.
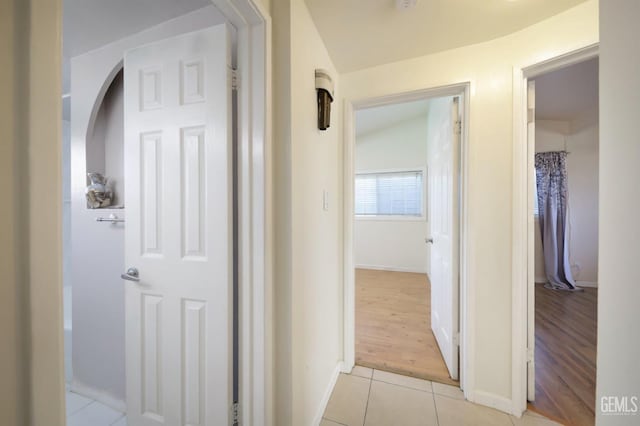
(546, 152)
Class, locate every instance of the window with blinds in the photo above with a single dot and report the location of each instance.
(396, 193)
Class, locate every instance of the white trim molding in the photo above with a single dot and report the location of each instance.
(492, 400)
(523, 252)
(467, 312)
(327, 393)
(253, 25)
(391, 268)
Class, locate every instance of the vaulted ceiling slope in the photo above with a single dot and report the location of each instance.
(89, 24)
(569, 93)
(365, 33)
(374, 119)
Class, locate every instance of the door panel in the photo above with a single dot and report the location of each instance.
(179, 230)
(443, 155)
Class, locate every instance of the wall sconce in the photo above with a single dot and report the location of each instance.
(324, 91)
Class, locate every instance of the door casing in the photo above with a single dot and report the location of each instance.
(253, 24)
(523, 279)
(466, 292)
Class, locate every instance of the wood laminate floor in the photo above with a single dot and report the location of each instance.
(566, 336)
(393, 325)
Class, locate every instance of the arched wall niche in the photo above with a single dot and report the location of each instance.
(105, 135)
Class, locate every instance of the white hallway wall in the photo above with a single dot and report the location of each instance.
(489, 68)
(385, 243)
(66, 246)
(618, 292)
(98, 248)
(66, 205)
(308, 240)
(582, 170)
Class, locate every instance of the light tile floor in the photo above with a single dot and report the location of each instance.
(83, 411)
(378, 398)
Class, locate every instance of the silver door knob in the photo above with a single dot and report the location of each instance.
(428, 240)
(132, 274)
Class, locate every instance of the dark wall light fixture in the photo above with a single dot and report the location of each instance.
(324, 91)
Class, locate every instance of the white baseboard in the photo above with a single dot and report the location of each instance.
(327, 394)
(98, 395)
(590, 284)
(392, 269)
(493, 401)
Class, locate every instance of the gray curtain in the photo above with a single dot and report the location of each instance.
(551, 180)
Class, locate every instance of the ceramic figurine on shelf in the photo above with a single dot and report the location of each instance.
(99, 195)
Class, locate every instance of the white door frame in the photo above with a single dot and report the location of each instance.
(467, 314)
(253, 25)
(523, 225)
(253, 62)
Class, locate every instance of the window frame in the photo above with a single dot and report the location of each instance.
(394, 218)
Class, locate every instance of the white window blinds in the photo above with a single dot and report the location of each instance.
(389, 194)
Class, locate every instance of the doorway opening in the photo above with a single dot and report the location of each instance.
(190, 68)
(404, 235)
(563, 130)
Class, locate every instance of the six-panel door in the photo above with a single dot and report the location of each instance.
(443, 181)
(179, 229)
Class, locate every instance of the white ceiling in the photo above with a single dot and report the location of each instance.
(89, 24)
(569, 93)
(373, 119)
(365, 33)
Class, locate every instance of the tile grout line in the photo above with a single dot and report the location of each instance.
(332, 421)
(84, 407)
(119, 418)
(435, 407)
(432, 391)
(91, 401)
(403, 386)
(366, 408)
(460, 399)
(431, 382)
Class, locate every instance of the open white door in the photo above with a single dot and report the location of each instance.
(443, 182)
(531, 306)
(178, 153)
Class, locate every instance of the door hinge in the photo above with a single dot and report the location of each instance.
(235, 79)
(531, 115)
(457, 127)
(456, 338)
(529, 355)
(235, 414)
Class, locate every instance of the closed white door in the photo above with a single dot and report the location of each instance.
(178, 234)
(443, 207)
